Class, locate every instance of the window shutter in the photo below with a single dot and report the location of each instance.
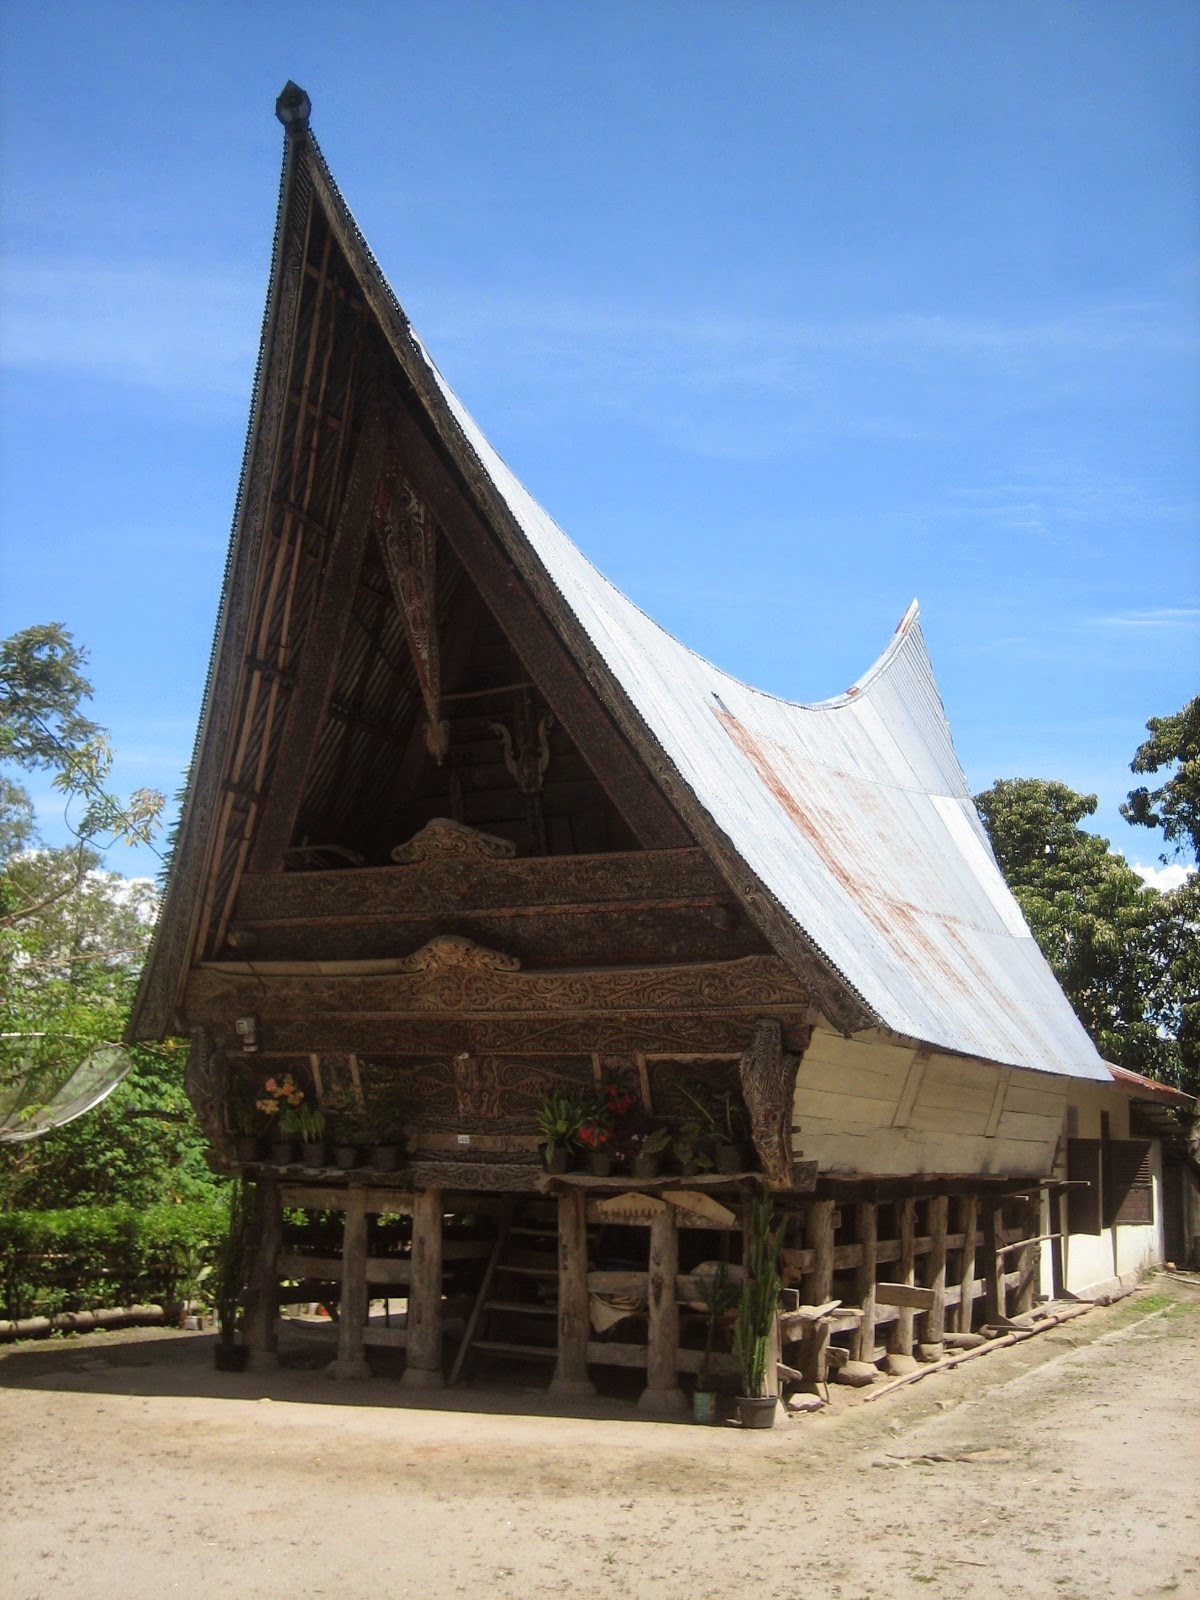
(1083, 1166)
(1128, 1184)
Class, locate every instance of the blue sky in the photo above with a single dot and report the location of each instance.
(787, 312)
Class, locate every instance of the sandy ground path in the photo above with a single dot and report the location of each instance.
(1067, 1466)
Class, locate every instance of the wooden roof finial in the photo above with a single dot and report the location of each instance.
(293, 108)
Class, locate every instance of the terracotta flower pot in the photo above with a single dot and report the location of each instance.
(645, 1166)
(282, 1152)
(345, 1156)
(600, 1164)
(314, 1153)
(560, 1161)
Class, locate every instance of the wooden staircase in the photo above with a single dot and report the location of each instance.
(516, 1309)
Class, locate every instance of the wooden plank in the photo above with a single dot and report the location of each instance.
(912, 1087)
(909, 1296)
(352, 1316)
(323, 640)
(424, 1368)
(291, 1265)
(994, 1301)
(662, 1392)
(570, 1373)
(337, 1197)
(993, 1122)
(385, 1338)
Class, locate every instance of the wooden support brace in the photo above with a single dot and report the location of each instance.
(994, 1288)
(424, 1369)
(817, 1283)
(571, 1374)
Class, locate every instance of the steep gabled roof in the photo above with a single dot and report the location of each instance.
(845, 827)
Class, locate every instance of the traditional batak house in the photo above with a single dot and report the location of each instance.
(466, 828)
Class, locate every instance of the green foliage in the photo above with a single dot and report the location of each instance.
(42, 728)
(760, 1295)
(1125, 954)
(91, 1256)
(1175, 805)
(232, 1262)
(68, 971)
(560, 1117)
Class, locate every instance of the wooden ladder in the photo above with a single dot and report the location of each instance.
(518, 1295)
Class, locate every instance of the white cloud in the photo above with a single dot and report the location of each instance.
(1161, 878)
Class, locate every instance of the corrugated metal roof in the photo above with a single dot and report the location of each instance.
(1151, 1088)
(853, 811)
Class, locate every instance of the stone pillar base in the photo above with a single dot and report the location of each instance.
(664, 1402)
(348, 1367)
(422, 1378)
(571, 1388)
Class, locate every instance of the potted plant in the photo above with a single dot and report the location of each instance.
(757, 1310)
(719, 1297)
(249, 1122)
(649, 1150)
(229, 1279)
(723, 1123)
(692, 1148)
(350, 1137)
(309, 1124)
(596, 1136)
(386, 1129)
(279, 1102)
(560, 1117)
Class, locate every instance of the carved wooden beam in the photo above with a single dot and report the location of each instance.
(408, 542)
(768, 1087)
(206, 1082)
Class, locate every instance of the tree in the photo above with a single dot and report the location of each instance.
(1175, 805)
(1095, 920)
(68, 971)
(42, 727)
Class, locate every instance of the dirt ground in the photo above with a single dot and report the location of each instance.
(1067, 1466)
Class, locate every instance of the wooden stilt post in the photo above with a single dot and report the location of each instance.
(1058, 1276)
(1030, 1258)
(933, 1329)
(662, 1392)
(424, 1344)
(969, 1222)
(352, 1314)
(900, 1336)
(818, 1282)
(867, 1226)
(994, 1296)
(262, 1296)
(571, 1374)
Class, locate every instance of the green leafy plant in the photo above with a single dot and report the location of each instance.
(229, 1280)
(692, 1147)
(560, 1117)
(719, 1297)
(759, 1297)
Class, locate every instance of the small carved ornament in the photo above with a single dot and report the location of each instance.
(443, 839)
(450, 952)
(631, 1207)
